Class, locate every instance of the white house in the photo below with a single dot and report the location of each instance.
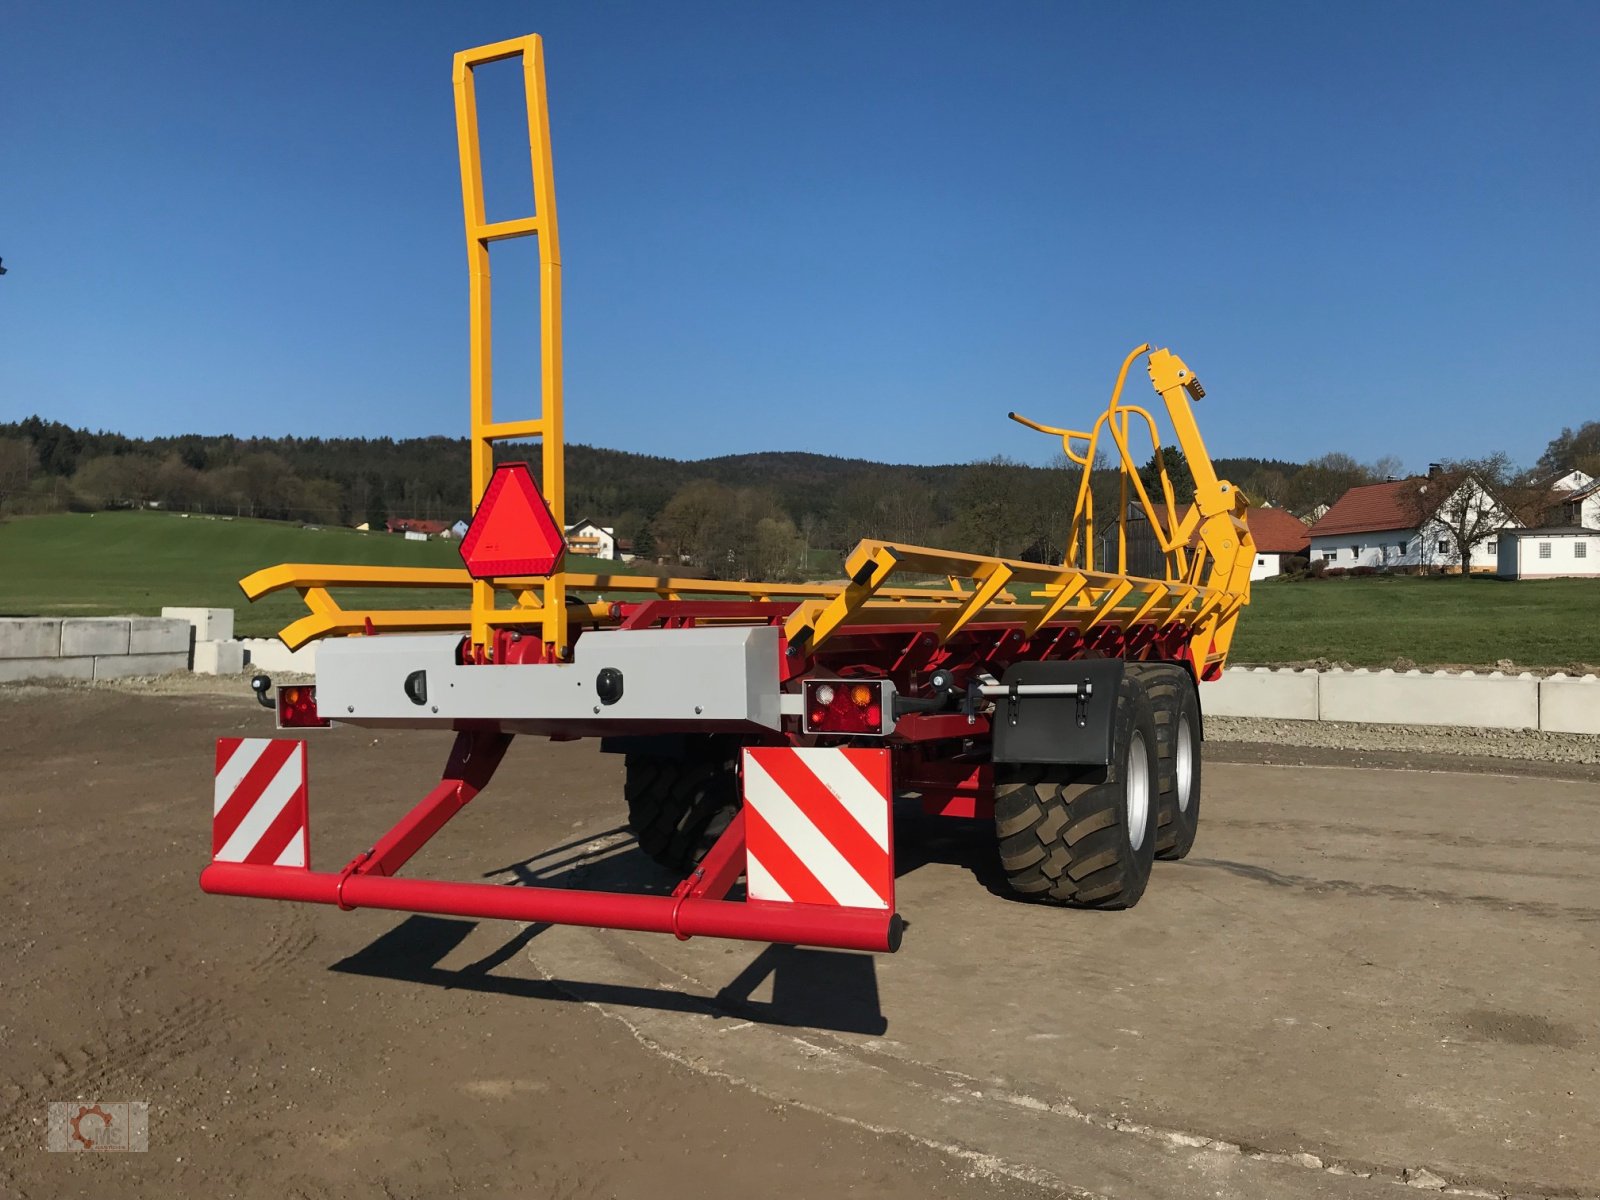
(1278, 535)
(1396, 525)
(1580, 505)
(597, 541)
(1573, 481)
(1565, 552)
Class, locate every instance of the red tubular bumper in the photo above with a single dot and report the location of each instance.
(684, 916)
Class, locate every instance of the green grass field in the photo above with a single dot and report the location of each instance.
(86, 565)
(135, 562)
(1431, 620)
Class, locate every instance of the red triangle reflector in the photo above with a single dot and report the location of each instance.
(512, 533)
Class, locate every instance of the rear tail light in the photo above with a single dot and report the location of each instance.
(297, 708)
(862, 706)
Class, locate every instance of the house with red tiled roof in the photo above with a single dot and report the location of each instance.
(415, 528)
(1278, 534)
(1402, 523)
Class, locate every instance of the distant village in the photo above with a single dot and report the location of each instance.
(1439, 521)
(1435, 522)
(584, 537)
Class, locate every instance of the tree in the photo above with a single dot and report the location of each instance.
(1178, 474)
(1323, 480)
(988, 513)
(1266, 485)
(644, 543)
(687, 527)
(114, 480)
(1572, 450)
(19, 463)
(1460, 506)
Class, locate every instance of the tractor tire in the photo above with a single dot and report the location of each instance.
(678, 805)
(1084, 836)
(1178, 743)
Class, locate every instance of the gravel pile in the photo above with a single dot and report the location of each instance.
(1528, 745)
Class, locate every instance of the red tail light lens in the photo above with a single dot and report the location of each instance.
(844, 706)
(297, 708)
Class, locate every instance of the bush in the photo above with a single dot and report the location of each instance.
(1335, 573)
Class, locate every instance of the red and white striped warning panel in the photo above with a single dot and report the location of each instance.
(817, 828)
(258, 812)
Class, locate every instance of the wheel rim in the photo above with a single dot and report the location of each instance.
(1138, 790)
(1183, 763)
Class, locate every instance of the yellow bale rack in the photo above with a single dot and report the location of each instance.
(1206, 548)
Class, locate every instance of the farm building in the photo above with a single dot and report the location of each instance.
(1579, 505)
(1278, 534)
(1397, 525)
(1560, 552)
(416, 529)
(597, 541)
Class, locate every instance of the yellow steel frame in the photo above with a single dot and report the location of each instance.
(1207, 549)
(1202, 590)
(541, 602)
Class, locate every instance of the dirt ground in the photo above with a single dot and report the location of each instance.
(1362, 978)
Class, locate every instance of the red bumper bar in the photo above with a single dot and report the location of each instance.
(683, 916)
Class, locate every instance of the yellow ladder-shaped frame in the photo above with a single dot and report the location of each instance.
(547, 599)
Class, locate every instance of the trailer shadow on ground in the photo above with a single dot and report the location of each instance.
(814, 989)
(805, 987)
(797, 986)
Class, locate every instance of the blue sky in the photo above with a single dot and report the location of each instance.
(855, 229)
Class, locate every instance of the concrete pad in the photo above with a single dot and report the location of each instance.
(269, 654)
(218, 658)
(158, 635)
(1336, 981)
(1570, 705)
(128, 666)
(16, 670)
(93, 636)
(210, 624)
(1493, 701)
(1261, 692)
(30, 637)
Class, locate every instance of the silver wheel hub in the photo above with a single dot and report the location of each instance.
(1138, 791)
(1183, 762)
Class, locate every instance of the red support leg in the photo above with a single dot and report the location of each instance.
(720, 869)
(472, 764)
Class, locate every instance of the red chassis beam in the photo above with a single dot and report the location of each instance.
(683, 916)
(696, 907)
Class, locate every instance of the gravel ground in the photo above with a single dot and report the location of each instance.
(1426, 739)
(1404, 747)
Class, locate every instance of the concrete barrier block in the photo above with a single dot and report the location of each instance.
(127, 666)
(30, 637)
(1492, 701)
(269, 654)
(90, 637)
(158, 635)
(218, 658)
(16, 670)
(210, 624)
(1289, 695)
(1568, 704)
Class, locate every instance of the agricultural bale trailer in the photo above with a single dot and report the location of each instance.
(768, 729)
